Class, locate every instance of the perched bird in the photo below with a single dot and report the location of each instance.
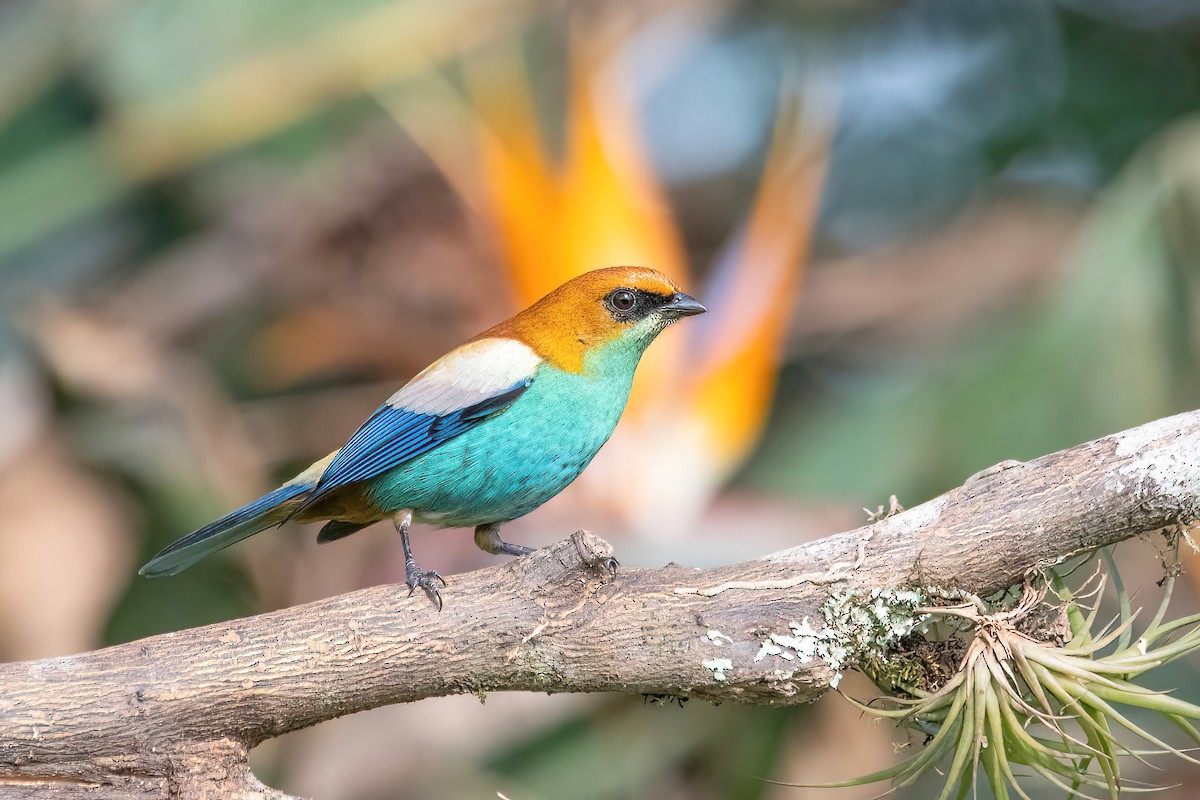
(486, 434)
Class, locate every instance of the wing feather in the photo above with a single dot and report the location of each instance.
(456, 393)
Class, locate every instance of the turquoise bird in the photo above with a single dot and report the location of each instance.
(486, 434)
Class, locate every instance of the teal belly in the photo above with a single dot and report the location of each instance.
(513, 462)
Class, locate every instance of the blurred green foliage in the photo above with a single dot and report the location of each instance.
(1111, 347)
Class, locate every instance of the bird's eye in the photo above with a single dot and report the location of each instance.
(622, 300)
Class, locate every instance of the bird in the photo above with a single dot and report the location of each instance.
(484, 435)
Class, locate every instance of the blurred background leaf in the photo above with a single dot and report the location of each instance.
(934, 235)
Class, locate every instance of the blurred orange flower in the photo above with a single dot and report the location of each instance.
(704, 392)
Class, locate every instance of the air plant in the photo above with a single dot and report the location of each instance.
(1040, 690)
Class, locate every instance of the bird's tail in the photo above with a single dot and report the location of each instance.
(266, 512)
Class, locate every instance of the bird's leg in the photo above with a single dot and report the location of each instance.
(412, 573)
(487, 539)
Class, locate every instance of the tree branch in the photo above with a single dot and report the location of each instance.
(174, 715)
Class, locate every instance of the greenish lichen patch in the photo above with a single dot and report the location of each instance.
(915, 665)
(858, 627)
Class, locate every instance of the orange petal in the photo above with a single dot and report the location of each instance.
(758, 286)
(523, 187)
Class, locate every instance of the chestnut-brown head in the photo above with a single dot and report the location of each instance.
(630, 305)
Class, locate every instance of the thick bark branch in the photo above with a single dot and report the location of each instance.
(174, 715)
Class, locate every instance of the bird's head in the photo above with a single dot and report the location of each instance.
(618, 311)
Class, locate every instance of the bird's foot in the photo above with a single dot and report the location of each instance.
(487, 539)
(427, 581)
(415, 578)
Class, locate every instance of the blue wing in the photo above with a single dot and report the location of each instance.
(394, 435)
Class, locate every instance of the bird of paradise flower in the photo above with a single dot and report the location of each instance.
(702, 397)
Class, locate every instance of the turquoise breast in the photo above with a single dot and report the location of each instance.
(516, 461)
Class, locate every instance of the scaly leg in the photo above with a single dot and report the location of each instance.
(412, 573)
(487, 539)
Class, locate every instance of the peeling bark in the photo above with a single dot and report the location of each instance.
(174, 715)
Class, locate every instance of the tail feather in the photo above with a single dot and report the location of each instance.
(267, 511)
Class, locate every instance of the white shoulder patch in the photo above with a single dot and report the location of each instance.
(468, 375)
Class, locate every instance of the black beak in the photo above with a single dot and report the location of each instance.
(682, 305)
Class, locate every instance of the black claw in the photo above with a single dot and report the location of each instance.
(413, 575)
(612, 565)
(426, 582)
